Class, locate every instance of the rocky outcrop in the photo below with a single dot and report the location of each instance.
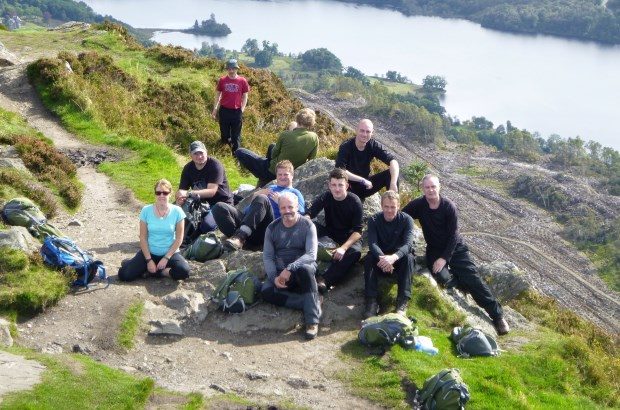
(6, 57)
(505, 280)
(10, 159)
(70, 26)
(18, 237)
(6, 340)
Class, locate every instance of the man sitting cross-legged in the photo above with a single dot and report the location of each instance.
(446, 253)
(390, 238)
(249, 225)
(289, 255)
(343, 224)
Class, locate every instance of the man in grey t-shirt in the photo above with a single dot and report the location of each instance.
(289, 255)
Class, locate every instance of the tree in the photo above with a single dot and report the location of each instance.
(263, 59)
(250, 47)
(352, 72)
(434, 83)
(321, 59)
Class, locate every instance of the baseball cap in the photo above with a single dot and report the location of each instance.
(197, 146)
(232, 63)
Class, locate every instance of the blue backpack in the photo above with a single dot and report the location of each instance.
(63, 252)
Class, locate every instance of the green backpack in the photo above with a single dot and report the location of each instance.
(206, 247)
(24, 212)
(238, 292)
(387, 330)
(471, 341)
(444, 391)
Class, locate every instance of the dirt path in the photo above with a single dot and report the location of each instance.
(208, 359)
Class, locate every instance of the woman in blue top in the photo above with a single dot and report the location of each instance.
(161, 234)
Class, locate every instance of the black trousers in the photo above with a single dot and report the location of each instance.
(257, 217)
(379, 181)
(403, 271)
(467, 278)
(136, 267)
(231, 121)
(339, 270)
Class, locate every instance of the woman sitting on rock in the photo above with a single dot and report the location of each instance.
(161, 234)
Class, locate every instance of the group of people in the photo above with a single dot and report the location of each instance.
(278, 221)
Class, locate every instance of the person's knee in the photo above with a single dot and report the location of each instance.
(179, 272)
(261, 200)
(123, 275)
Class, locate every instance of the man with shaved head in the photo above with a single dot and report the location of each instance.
(355, 156)
(447, 255)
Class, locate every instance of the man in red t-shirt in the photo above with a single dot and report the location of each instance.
(231, 99)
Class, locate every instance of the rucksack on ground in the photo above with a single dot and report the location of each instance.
(195, 210)
(444, 391)
(237, 292)
(206, 247)
(387, 330)
(471, 341)
(63, 252)
(24, 212)
(325, 249)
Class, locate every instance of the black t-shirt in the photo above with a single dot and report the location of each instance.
(212, 173)
(342, 218)
(358, 162)
(440, 226)
(386, 237)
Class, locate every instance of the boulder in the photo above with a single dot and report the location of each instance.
(5, 333)
(505, 279)
(314, 167)
(253, 261)
(263, 316)
(18, 237)
(14, 163)
(6, 57)
(214, 271)
(166, 327)
(187, 304)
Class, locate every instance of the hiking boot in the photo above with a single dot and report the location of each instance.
(311, 331)
(236, 242)
(321, 285)
(401, 306)
(372, 308)
(501, 326)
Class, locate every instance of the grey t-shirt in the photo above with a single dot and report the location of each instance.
(289, 248)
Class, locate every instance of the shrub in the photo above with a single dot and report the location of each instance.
(12, 260)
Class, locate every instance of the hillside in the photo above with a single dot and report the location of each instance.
(145, 105)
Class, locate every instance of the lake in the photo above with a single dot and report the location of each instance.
(541, 83)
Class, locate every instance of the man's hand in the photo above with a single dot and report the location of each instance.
(214, 114)
(181, 196)
(282, 279)
(386, 263)
(338, 254)
(438, 265)
(367, 183)
(273, 196)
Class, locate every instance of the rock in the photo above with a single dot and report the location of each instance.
(17, 373)
(166, 327)
(213, 271)
(298, 382)
(18, 237)
(257, 375)
(70, 26)
(68, 67)
(14, 163)
(253, 261)
(5, 333)
(505, 280)
(8, 151)
(6, 57)
(217, 388)
(314, 167)
(52, 348)
(312, 187)
(75, 222)
(226, 355)
(186, 304)
(263, 316)
(79, 349)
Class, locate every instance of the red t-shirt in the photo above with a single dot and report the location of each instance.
(232, 90)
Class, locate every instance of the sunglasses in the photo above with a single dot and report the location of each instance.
(158, 193)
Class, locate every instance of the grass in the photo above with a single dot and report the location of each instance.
(564, 362)
(394, 87)
(130, 324)
(26, 284)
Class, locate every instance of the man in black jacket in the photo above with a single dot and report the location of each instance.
(355, 156)
(446, 253)
(343, 224)
(390, 239)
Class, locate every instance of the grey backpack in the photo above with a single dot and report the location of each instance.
(206, 247)
(444, 391)
(471, 341)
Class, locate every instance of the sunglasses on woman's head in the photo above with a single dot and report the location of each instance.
(158, 193)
